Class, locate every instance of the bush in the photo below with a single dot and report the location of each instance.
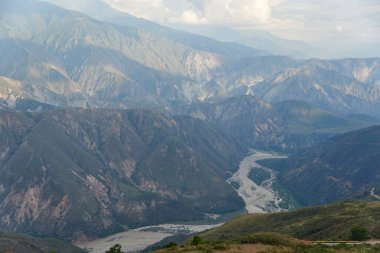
(359, 233)
(196, 240)
(115, 249)
(170, 245)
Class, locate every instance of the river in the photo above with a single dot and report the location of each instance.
(258, 198)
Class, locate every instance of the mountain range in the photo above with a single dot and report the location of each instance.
(66, 58)
(284, 127)
(108, 121)
(80, 173)
(336, 169)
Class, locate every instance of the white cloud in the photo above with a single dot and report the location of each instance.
(292, 19)
(191, 17)
(237, 12)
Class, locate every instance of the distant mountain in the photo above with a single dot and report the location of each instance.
(344, 86)
(80, 174)
(258, 39)
(336, 169)
(329, 222)
(19, 243)
(65, 58)
(100, 10)
(286, 126)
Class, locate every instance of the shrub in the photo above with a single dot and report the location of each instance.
(196, 240)
(359, 233)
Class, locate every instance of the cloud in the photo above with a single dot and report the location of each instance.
(191, 17)
(292, 19)
(237, 12)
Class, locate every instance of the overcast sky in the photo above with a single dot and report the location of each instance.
(308, 20)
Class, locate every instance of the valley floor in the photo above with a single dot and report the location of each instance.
(140, 238)
(258, 198)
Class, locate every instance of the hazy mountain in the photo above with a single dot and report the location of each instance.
(345, 86)
(100, 10)
(285, 126)
(19, 243)
(68, 59)
(186, 34)
(258, 39)
(82, 173)
(336, 169)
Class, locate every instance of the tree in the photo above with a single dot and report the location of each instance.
(359, 233)
(196, 240)
(115, 249)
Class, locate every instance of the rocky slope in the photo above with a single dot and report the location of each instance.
(83, 173)
(66, 58)
(286, 126)
(336, 169)
(344, 86)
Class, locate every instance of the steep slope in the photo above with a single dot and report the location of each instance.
(100, 10)
(79, 174)
(287, 126)
(249, 121)
(18, 243)
(345, 86)
(239, 76)
(304, 120)
(332, 222)
(67, 58)
(336, 169)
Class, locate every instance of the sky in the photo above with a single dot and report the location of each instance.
(307, 20)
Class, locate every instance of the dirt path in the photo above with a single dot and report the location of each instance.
(258, 198)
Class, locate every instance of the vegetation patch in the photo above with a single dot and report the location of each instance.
(259, 175)
(329, 222)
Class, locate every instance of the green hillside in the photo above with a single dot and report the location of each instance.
(18, 243)
(332, 222)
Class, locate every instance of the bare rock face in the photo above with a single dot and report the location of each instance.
(344, 86)
(79, 174)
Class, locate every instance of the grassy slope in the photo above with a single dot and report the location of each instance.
(315, 223)
(17, 243)
(266, 243)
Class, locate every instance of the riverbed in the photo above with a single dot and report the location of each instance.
(258, 198)
(138, 239)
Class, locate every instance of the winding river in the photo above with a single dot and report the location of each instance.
(258, 198)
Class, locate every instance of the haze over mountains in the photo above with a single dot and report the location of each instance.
(69, 59)
(108, 121)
